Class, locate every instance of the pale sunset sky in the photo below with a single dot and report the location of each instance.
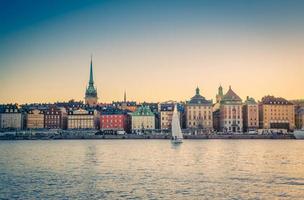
(156, 50)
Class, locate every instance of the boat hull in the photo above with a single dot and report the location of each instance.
(177, 141)
(299, 134)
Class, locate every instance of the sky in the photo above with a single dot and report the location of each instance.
(156, 50)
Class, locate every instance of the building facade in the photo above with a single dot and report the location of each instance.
(276, 113)
(112, 119)
(216, 109)
(299, 118)
(91, 92)
(250, 115)
(166, 112)
(11, 117)
(53, 118)
(231, 119)
(81, 119)
(199, 114)
(142, 119)
(299, 113)
(35, 119)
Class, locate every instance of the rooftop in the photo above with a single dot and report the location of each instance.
(143, 111)
(231, 97)
(199, 99)
(275, 100)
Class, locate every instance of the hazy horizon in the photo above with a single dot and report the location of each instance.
(155, 50)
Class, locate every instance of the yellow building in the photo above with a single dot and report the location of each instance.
(276, 113)
(199, 114)
(81, 119)
(35, 119)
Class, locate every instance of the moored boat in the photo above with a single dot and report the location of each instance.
(299, 134)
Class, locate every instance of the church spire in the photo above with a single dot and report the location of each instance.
(91, 92)
(91, 82)
(125, 96)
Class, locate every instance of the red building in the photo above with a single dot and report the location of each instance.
(114, 120)
(53, 118)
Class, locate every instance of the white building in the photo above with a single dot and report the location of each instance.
(143, 119)
(11, 117)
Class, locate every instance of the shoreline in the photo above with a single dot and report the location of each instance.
(145, 137)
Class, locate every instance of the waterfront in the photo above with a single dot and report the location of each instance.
(152, 169)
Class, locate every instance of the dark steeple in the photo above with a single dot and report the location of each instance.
(91, 92)
(125, 96)
(91, 82)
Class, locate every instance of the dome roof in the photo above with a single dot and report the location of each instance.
(199, 99)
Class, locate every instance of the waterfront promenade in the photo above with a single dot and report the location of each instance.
(92, 135)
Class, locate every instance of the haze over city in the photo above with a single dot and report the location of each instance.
(155, 50)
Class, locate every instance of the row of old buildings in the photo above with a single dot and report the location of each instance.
(198, 115)
(229, 113)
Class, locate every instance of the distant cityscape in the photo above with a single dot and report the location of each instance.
(227, 115)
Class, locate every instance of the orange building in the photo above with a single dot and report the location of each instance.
(250, 115)
(276, 113)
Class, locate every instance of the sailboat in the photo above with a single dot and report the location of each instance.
(177, 135)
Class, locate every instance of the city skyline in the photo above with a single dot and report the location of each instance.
(167, 48)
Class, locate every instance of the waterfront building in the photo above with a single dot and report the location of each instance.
(53, 117)
(81, 119)
(250, 115)
(112, 119)
(199, 114)
(276, 113)
(216, 109)
(35, 119)
(11, 117)
(231, 119)
(142, 119)
(166, 111)
(299, 112)
(154, 108)
(299, 118)
(91, 92)
(125, 105)
(216, 116)
(128, 105)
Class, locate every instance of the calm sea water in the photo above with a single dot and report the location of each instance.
(152, 169)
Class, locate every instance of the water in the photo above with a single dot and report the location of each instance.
(152, 169)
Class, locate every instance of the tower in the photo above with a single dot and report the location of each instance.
(220, 94)
(125, 96)
(91, 92)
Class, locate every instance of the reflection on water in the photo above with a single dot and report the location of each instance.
(152, 169)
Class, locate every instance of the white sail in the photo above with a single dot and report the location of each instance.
(176, 129)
